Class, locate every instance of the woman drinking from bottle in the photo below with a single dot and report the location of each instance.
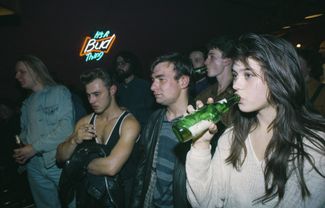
(273, 155)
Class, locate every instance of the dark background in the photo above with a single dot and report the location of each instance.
(54, 30)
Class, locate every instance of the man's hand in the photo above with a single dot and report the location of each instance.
(85, 132)
(23, 154)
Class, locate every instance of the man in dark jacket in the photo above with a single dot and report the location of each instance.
(160, 180)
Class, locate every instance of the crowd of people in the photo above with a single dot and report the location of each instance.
(267, 151)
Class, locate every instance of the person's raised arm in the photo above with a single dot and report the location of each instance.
(203, 142)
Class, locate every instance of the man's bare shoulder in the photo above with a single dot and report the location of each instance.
(131, 120)
(130, 123)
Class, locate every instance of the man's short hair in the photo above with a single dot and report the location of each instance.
(182, 64)
(98, 73)
(223, 43)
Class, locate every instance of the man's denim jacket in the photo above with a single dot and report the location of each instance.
(47, 119)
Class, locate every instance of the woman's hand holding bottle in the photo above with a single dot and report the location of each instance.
(199, 123)
(203, 142)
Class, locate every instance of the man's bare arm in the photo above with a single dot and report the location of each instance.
(113, 163)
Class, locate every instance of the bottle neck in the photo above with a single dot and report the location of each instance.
(200, 70)
(230, 101)
(233, 100)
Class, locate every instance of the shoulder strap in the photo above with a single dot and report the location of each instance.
(92, 119)
(120, 121)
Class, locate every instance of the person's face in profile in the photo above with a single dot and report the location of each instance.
(250, 85)
(165, 87)
(215, 63)
(25, 76)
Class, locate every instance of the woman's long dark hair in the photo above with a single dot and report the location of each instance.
(295, 122)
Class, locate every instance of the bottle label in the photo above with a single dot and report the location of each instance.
(222, 101)
(198, 128)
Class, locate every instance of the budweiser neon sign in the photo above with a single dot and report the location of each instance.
(95, 47)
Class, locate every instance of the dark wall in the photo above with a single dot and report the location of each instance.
(54, 31)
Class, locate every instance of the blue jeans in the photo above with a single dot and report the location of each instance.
(43, 183)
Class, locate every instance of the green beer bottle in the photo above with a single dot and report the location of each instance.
(199, 73)
(200, 70)
(192, 126)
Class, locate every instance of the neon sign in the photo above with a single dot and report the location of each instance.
(95, 48)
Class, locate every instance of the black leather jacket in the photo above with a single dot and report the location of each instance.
(148, 141)
(90, 190)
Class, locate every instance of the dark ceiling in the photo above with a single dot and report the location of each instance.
(54, 30)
